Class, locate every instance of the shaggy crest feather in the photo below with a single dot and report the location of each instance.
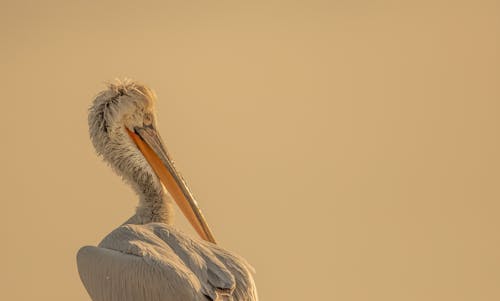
(124, 104)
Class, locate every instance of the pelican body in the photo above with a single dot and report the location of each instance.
(146, 258)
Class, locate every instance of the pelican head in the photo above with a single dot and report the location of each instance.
(123, 130)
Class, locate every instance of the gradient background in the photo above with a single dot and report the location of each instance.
(348, 149)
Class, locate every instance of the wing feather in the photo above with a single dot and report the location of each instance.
(155, 262)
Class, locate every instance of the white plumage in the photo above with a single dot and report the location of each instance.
(146, 259)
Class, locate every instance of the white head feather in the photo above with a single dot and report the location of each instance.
(127, 104)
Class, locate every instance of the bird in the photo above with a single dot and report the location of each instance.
(146, 258)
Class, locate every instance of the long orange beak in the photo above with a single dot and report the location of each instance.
(150, 144)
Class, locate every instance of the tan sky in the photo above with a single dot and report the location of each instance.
(348, 149)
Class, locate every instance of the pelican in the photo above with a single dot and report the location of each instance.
(146, 258)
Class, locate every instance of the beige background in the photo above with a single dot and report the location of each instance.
(348, 149)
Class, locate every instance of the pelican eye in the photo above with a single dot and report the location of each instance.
(148, 119)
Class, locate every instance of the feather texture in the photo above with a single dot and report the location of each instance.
(157, 262)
